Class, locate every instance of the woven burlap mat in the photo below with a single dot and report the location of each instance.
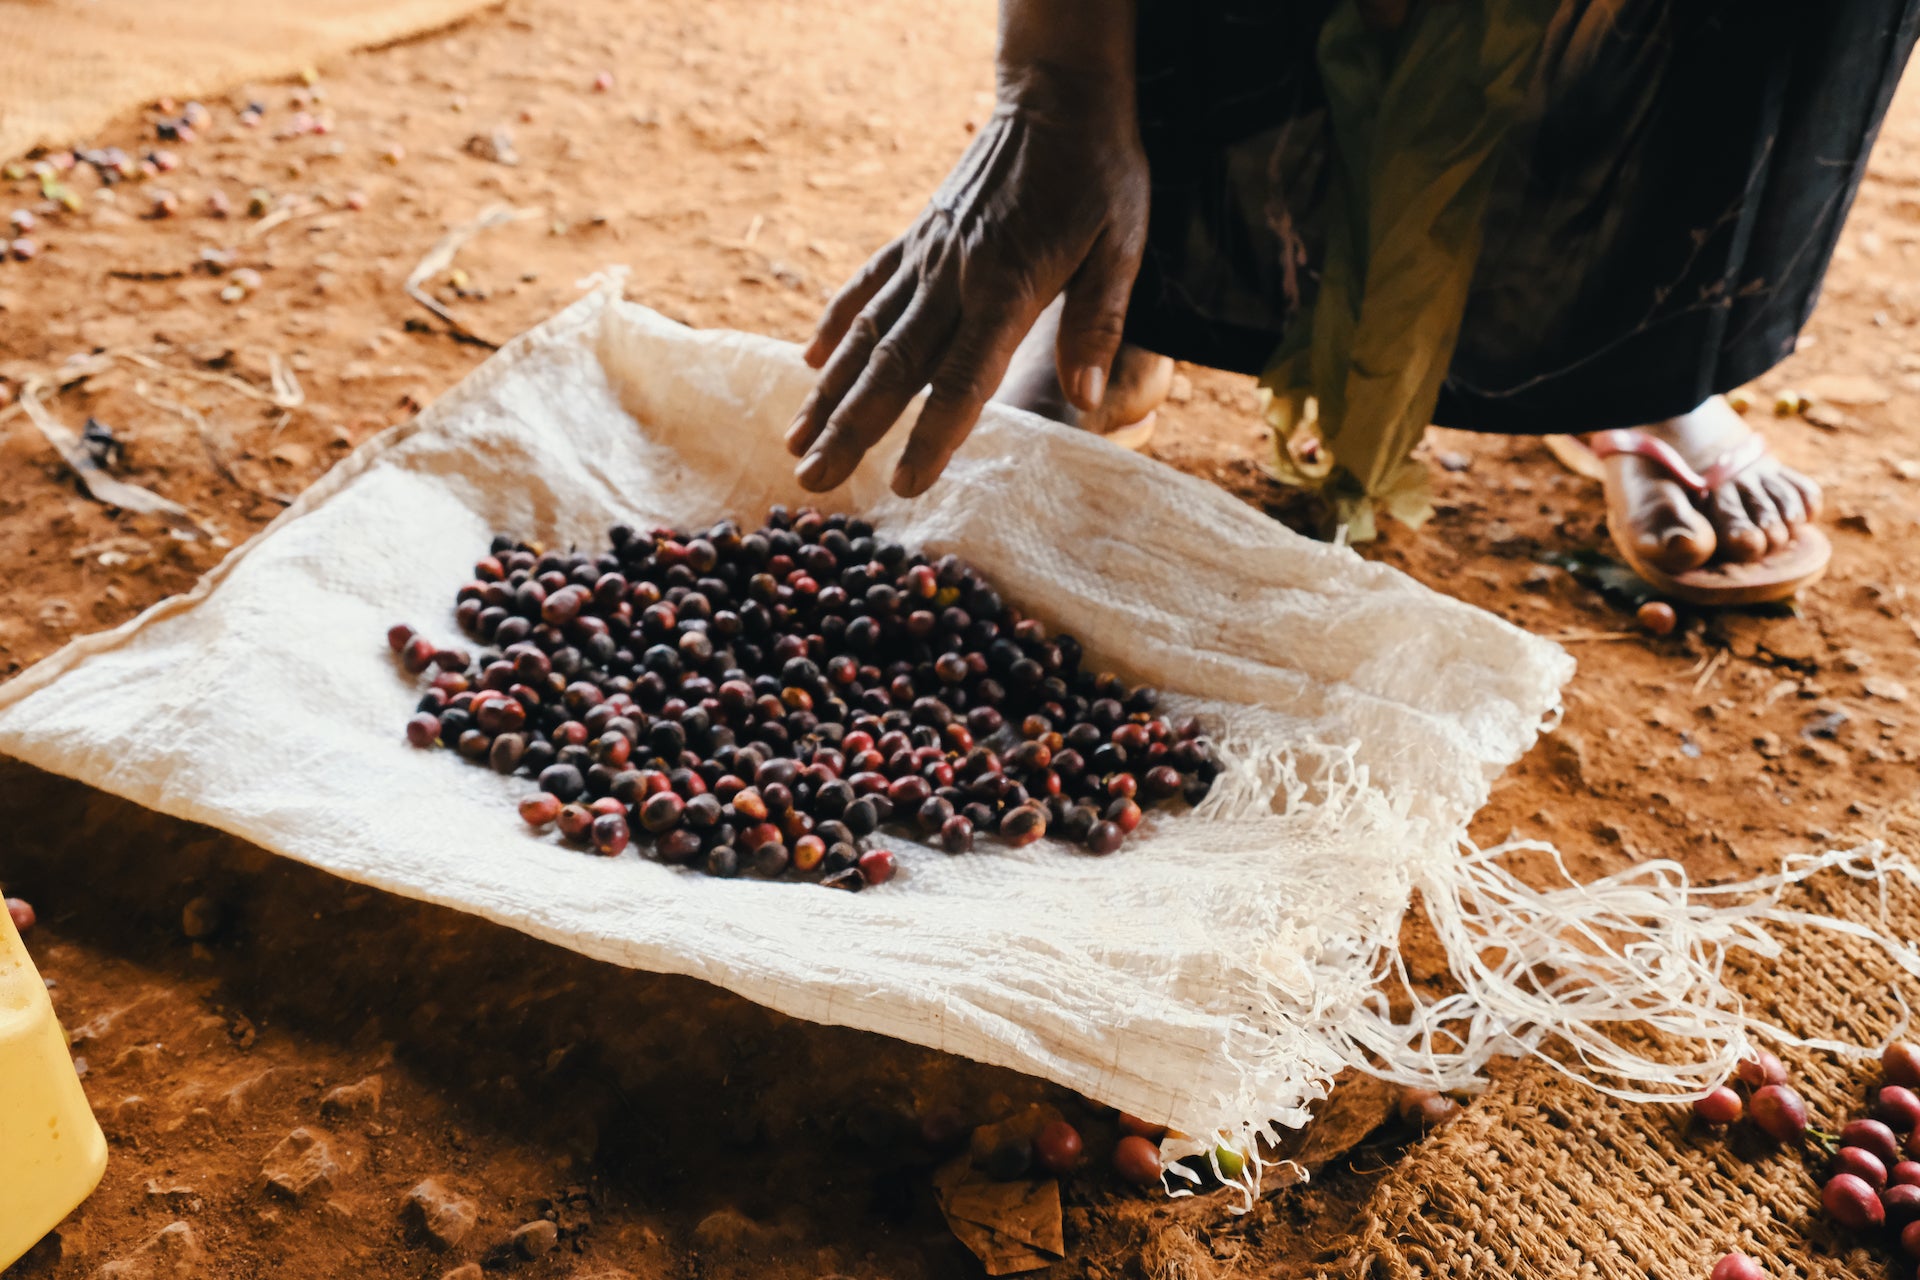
(1544, 1177)
(67, 67)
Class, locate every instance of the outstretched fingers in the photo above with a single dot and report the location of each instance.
(975, 363)
(859, 337)
(852, 299)
(896, 369)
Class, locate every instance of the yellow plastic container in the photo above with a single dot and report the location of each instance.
(52, 1152)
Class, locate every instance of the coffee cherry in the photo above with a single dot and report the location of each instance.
(1721, 1106)
(1874, 1137)
(1022, 826)
(1137, 1160)
(794, 690)
(1658, 617)
(770, 859)
(1426, 1109)
(1900, 1063)
(677, 846)
(423, 730)
(20, 911)
(610, 834)
(1762, 1068)
(808, 853)
(576, 822)
(418, 655)
(1852, 1203)
(1863, 1165)
(1779, 1112)
(956, 834)
(1737, 1266)
(1058, 1148)
(564, 781)
(1902, 1204)
(1105, 837)
(876, 866)
(538, 810)
(1898, 1107)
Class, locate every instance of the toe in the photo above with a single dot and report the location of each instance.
(1739, 538)
(1666, 530)
(1763, 511)
(1141, 380)
(1787, 500)
(1810, 496)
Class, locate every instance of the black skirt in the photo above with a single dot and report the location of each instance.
(1658, 233)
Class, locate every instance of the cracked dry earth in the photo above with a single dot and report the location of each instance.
(302, 1077)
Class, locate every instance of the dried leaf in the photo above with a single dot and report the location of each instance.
(1010, 1226)
(93, 477)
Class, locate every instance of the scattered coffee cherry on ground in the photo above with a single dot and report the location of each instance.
(1137, 1159)
(763, 703)
(1721, 1106)
(1868, 1183)
(1058, 1148)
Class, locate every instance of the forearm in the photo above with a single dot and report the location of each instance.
(1079, 52)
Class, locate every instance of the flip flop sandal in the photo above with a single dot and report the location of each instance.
(1776, 576)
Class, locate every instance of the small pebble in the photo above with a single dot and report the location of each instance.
(23, 249)
(536, 1239)
(603, 82)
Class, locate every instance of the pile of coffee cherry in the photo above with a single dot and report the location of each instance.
(1872, 1174)
(761, 702)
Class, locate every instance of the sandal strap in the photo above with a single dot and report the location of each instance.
(1606, 444)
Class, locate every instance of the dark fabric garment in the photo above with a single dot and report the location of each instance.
(1659, 233)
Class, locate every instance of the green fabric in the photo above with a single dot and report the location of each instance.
(1419, 119)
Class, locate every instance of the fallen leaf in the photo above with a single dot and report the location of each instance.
(1010, 1226)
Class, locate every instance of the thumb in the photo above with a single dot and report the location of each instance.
(1093, 318)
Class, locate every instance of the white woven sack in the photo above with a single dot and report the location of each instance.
(1214, 974)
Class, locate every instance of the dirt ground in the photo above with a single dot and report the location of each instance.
(744, 158)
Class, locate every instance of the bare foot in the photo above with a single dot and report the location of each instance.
(1755, 512)
(1140, 382)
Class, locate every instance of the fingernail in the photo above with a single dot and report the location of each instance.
(795, 427)
(812, 468)
(1090, 386)
(906, 481)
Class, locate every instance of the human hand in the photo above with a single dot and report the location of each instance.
(1050, 196)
